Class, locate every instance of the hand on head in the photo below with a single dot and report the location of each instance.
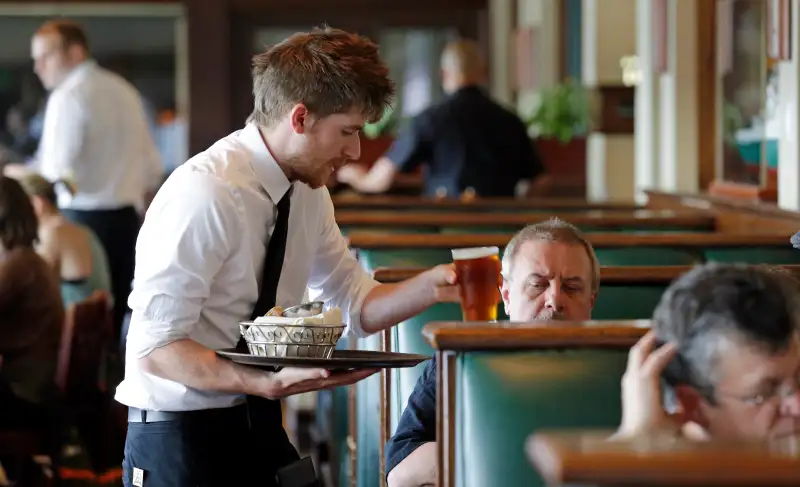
(642, 406)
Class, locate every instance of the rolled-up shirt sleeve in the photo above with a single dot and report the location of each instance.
(336, 276)
(186, 237)
(63, 137)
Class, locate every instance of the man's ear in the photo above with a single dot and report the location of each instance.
(300, 118)
(690, 403)
(504, 292)
(592, 299)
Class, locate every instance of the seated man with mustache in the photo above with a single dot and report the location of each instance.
(729, 366)
(550, 272)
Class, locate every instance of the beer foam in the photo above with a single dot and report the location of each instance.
(474, 253)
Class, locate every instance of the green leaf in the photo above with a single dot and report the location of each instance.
(563, 112)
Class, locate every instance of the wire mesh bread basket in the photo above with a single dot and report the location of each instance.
(283, 340)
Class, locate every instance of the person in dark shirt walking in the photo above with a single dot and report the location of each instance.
(469, 143)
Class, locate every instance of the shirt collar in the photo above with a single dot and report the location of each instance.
(77, 73)
(269, 174)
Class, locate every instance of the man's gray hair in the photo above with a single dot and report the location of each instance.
(714, 305)
(553, 230)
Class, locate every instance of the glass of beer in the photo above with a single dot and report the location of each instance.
(478, 271)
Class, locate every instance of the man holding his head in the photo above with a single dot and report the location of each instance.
(95, 137)
(550, 272)
(725, 353)
(468, 142)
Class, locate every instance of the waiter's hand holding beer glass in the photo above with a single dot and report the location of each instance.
(478, 277)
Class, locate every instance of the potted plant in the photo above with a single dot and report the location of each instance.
(378, 137)
(562, 114)
(559, 126)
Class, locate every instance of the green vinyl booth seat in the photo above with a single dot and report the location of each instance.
(503, 397)
(754, 255)
(614, 302)
(371, 259)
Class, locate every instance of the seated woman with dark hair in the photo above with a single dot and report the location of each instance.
(72, 250)
(31, 315)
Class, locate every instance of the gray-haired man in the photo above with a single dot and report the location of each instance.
(550, 271)
(730, 360)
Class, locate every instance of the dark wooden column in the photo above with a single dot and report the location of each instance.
(209, 72)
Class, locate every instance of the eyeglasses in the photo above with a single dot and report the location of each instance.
(778, 392)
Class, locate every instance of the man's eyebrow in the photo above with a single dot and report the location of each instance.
(536, 275)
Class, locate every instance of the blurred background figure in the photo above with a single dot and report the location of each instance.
(31, 318)
(467, 143)
(72, 250)
(97, 138)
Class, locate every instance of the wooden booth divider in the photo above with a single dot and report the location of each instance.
(589, 458)
(455, 339)
(402, 203)
(639, 219)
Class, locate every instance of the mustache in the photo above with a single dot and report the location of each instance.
(551, 315)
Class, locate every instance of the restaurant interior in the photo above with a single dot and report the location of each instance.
(669, 134)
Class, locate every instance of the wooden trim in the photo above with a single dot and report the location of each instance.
(386, 406)
(707, 110)
(705, 201)
(471, 336)
(733, 215)
(588, 458)
(637, 218)
(608, 274)
(368, 240)
(210, 77)
(561, 15)
(357, 202)
(742, 191)
(256, 7)
(445, 417)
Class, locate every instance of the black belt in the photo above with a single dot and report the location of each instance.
(136, 415)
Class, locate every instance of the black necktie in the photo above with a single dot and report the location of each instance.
(273, 261)
(266, 420)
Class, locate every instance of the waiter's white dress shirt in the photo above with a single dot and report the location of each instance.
(200, 255)
(96, 135)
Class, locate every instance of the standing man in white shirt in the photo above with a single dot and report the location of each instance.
(95, 137)
(243, 226)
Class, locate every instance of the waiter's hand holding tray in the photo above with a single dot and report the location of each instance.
(305, 336)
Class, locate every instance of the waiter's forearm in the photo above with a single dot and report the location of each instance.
(389, 304)
(191, 364)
